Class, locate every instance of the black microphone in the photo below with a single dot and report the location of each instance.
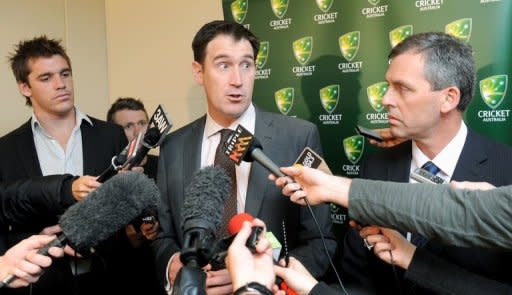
(149, 141)
(119, 160)
(242, 145)
(201, 217)
(103, 212)
(202, 212)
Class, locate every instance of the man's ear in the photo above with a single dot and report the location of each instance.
(25, 89)
(197, 71)
(450, 99)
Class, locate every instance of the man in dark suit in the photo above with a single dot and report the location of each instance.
(57, 139)
(224, 63)
(431, 80)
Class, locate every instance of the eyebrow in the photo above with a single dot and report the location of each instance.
(52, 73)
(221, 56)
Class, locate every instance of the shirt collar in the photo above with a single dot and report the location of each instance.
(247, 119)
(447, 159)
(79, 117)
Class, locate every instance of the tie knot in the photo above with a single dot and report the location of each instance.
(431, 167)
(224, 134)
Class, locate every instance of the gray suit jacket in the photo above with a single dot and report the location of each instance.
(283, 139)
(481, 159)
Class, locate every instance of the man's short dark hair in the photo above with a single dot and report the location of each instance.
(448, 62)
(34, 48)
(125, 103)
(220, 27)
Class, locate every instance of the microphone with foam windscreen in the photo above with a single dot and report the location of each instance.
(202, 214)
(202, 211)
(103, 212)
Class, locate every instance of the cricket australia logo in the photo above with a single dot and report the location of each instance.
(398, 34)
(239, 10)
(327, 17)
(374, 11)
(338, 214)
(302, 50)
(284, 99)
(349, 44)
(353, 147)
(324, 5)
(279, 7)
(460, 29)
(329, 96)
(375, 93)
(493, 90)
(262, 56)
(261, 60)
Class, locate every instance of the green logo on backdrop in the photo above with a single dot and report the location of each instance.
(460, 29)
(493, 90)
(239, 10)
(284, 99)
(349, 44)
(353, 147)
(279, 7)
(373, 2)
(329, 96)
(262, 56)
(324, 5)
(397, 35)
(302, 49)
(375, 94)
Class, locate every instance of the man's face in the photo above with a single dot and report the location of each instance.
(227, 75)
(133, 122)
(50, 86)
(414, 110)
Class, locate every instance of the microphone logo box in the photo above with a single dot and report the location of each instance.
(160, 120)
(238, 144)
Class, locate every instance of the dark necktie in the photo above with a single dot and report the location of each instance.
(221, 160)
(418, 239)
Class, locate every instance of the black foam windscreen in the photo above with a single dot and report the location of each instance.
(107, 209)
(204, 197)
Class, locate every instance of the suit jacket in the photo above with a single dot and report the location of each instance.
(283, 139)
(481, 159)
(100, 142)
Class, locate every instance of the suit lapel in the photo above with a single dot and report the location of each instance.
(258, 175)
(26, 150)
(192, 158)
(400, 170)
(89, 144)
(472, 156)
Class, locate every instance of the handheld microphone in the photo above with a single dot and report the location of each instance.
(201, 218)
(202, 214)
(423, 176)
(103, 212)
(119, 160)
(242, 145)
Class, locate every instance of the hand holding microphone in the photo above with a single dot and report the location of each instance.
(246, 266)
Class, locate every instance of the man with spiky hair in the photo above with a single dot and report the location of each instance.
(57, 139)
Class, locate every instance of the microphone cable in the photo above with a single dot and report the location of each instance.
(310, 209)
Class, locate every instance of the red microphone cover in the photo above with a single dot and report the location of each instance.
(236, 222)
